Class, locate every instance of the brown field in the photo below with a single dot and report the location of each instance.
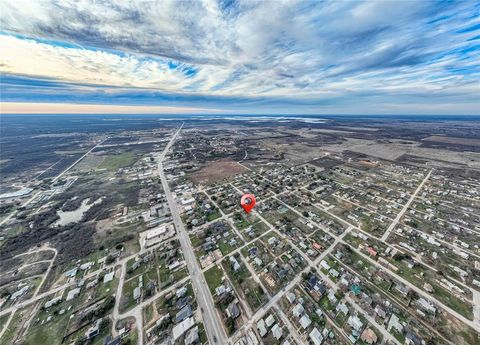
(217, 170)
(453, 140)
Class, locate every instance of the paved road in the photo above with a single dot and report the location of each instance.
(118, 298)
(213, 325)
(405, 207)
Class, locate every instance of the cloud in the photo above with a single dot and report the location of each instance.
(257, 53)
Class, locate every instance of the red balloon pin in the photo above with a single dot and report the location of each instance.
(247, 202)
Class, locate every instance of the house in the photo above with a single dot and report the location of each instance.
(410, 263)
(187, 201)
(136, 264)
(291, 297)
(369, 336)
(320, 288)
(395, 324)
(312, 281)
(183, 313)
(181, 302)
(86, 266)
(413, 339)
(270, 320)
(305, 321)
(220, 290)
(71, 273)
(19, 293)
(298, 310)
(52, 302)
(113, 341)
(137, 293)
(315, 336)
(174, 265)
(94, 330)
(235, 264)
(108, 277)
(182, 327)
(261, 328)
(427, 306)
(72, 294)
(148, 257)
(372, 251)
(380, 312)
(355, 322)
(334, 273)
(331, 296)
(272, 241)
(232, 310)
(91, 284)
(277, 331)
(324, 265)
(192, 336)
(402, 289)
(181, 292)
(342, 307)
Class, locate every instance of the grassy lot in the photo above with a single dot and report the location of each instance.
(353, 241)
(115, 162)
(243, 220)
(147, 314)
(7, 337)
(225, 247)
(214, 278)
(202, 334)
(180, 274)
(3, 320)
(103, 290)
(127, 295)
(213, 215)
(453, 302)
(255, 295)
(48, 333)
(195, 240)
(141, 269)
(132, 338)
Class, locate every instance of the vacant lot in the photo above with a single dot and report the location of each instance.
(218, 170)
(115, 162)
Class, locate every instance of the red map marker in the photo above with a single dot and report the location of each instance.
(247, 202)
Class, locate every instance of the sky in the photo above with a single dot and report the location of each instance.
(240, 57)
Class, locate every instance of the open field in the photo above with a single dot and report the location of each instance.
(217, 170)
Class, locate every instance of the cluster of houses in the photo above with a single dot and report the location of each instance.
(224, 295)
(270, 324)
(178, 322)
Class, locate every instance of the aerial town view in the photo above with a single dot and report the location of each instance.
(239, 173)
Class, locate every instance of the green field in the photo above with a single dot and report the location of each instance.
(115, 162)
(214, 278)
(7, 337)
(213, 215)
(48, 333)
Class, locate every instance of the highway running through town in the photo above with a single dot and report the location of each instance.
(213, 325)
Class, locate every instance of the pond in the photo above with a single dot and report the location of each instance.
(75, 215)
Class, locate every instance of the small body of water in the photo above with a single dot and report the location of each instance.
(76, 215)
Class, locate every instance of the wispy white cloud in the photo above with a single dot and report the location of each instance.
(311, 54)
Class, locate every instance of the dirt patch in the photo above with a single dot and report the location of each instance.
(217, 170)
